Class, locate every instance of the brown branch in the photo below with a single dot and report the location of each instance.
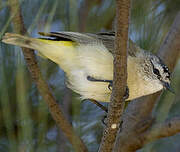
(116, 106)
(42, 86)
(160, 130)
(128, 139)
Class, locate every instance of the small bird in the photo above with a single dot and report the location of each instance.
(88, 63)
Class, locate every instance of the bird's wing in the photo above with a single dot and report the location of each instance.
(107, 38)
(81, 38)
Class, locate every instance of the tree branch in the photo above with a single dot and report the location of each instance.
(42, 86)
(160, 130)
(116, 106)
(140, 110)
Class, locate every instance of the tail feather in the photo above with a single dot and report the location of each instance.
(19, 40)
(60, 52)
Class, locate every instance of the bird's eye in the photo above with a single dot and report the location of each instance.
(168, 76)
(156, 71)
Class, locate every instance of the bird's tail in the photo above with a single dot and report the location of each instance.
(19, 40)
(54, 50)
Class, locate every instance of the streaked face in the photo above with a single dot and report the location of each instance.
(161, 72)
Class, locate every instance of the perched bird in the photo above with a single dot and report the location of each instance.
(88, 63)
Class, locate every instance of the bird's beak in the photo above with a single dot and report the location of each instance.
(168, 87)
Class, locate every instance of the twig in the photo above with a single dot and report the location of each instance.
(42, 86)
(160, 130)
(120, 77)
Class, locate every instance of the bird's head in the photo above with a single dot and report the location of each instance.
(160, 72)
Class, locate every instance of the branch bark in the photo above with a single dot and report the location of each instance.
(116, 106)
(42, 86)
(160, 130)
(140, 111)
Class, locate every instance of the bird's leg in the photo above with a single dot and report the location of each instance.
(101, 80)
(126, 96)
(98, 104)
(102, 108)
(109, 86)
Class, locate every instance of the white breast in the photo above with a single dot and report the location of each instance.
(95, 61)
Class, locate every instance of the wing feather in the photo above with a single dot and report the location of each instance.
(107, 38)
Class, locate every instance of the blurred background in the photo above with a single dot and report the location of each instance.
(25, 122)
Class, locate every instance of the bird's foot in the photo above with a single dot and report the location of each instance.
(97, 104)
(110, 85)
(104, 120)
(126, 95)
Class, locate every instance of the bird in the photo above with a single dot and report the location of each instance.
(87, 61)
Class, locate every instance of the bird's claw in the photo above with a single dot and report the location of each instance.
(110, 85)
(126, 95)
(104, 120)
